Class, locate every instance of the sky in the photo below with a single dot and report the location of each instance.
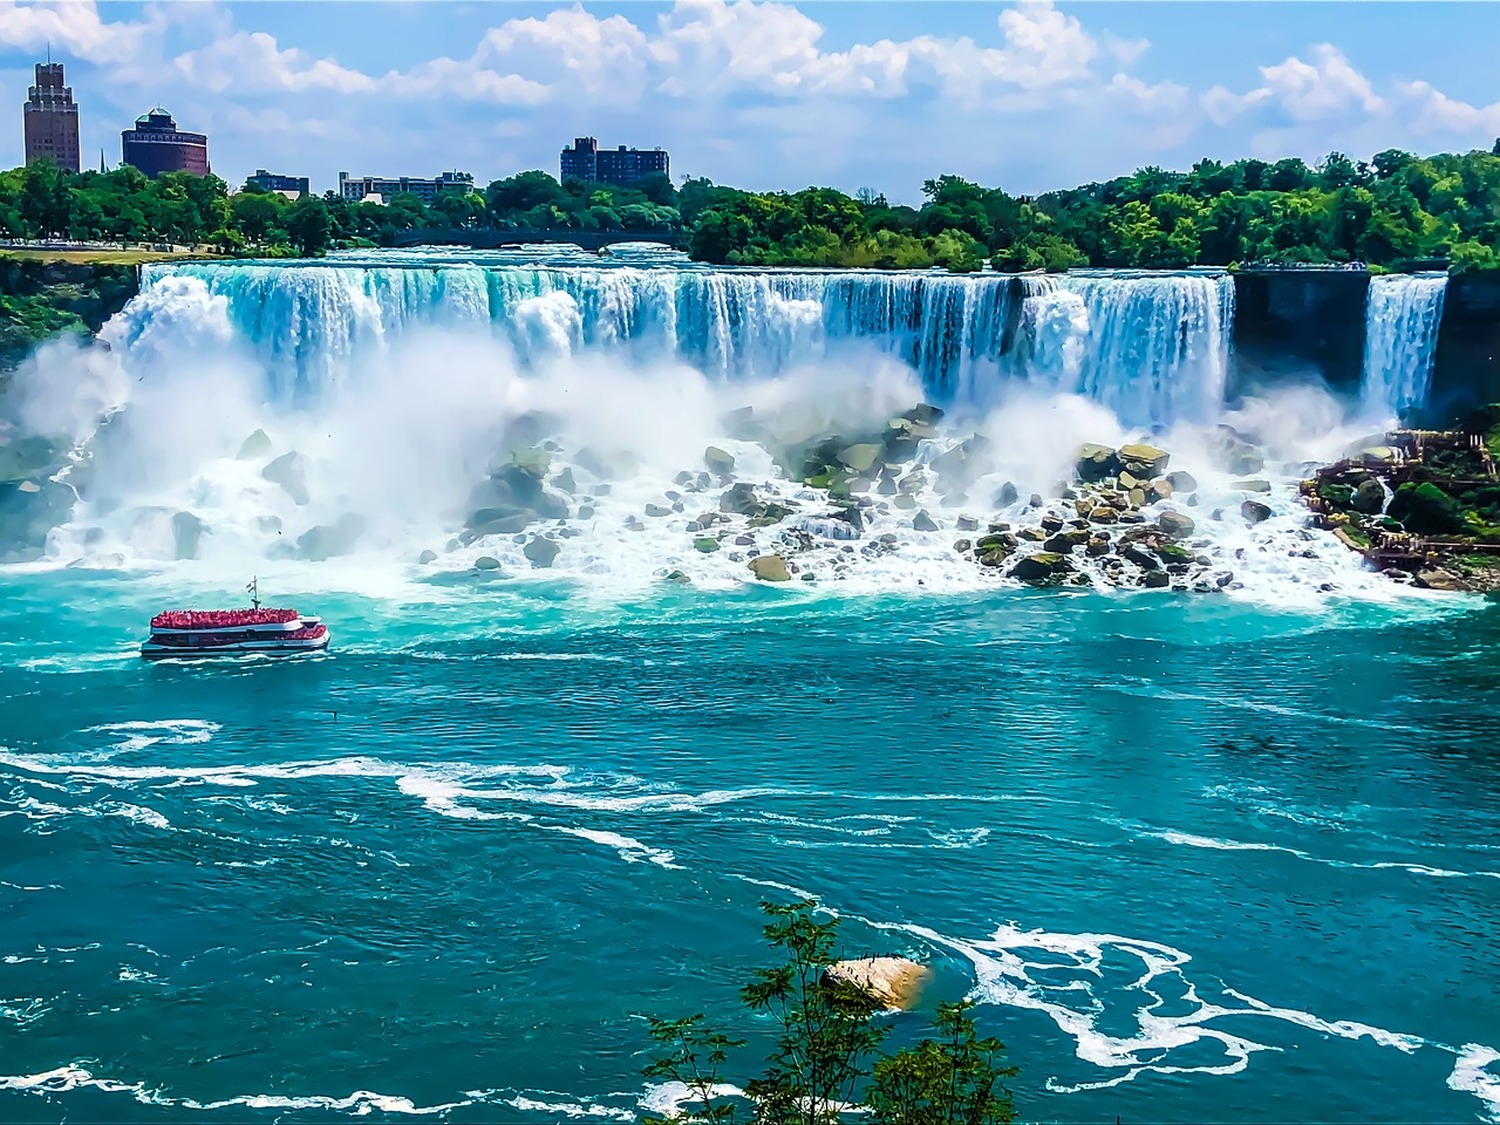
(1028, 95)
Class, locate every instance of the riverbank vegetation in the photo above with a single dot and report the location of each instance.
(1396, 210)
(826, 1063)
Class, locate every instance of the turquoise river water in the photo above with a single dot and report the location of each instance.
(1197, 860)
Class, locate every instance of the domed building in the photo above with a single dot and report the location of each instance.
(157, 146)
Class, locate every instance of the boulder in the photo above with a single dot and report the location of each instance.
(860, 458)
(486, 562)
(892, 983)
(1255, 512)
(678, 577)
(565, 481)
(923, 522)
(1065, 541)
(512, 489)
(1007, 495)
(254, 447)
(658, 510)
(290, 472)
(718, 460)
(1252, 485)
(1044, 566)
(770, 568)
(1095, 462)
(1175, 524)
(427, 556)
(1160, 489)
(1156, 580)
(540, 552)
(327, 541)
(187, 530)
(706, 543)
(1435, 578)
(1368, 498)
(740, 499)
(967, 523)
(1182, 482)
(1144, 461)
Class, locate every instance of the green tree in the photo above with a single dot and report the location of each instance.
(954, 1079)
(308, 226)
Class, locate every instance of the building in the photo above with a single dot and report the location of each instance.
(356, 188)
(156, 146)
(51, 119)
(285, 185)
(621, 166)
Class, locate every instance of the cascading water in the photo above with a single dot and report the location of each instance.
(1152, 348)
(1402, 316)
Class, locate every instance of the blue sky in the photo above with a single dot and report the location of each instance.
(1029, 95)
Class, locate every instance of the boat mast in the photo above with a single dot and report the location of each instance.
(254, 589)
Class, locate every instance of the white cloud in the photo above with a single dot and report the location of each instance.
(1328, 88)
(74, 28)
(1438, 113)
(252, 61)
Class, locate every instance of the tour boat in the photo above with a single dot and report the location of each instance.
(190, 633)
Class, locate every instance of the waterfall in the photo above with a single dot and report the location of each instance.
(1154, 348)
(1402, 315)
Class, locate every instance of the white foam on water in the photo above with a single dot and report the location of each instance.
(142, 734)
(629, 849)
(1215, 843)
(669, 1099)
(568, 1109)
(1473, 1074)
(1063, 976)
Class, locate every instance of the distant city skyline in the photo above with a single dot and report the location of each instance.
(1029, 96)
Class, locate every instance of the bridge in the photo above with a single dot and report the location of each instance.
(483, 238)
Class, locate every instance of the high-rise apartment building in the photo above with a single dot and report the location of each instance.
(156, 146)
(51, 119)
(621, 166)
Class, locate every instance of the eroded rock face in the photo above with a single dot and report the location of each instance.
(894, 983)
(254, 447)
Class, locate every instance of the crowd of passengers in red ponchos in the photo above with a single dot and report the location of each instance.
(221, 618)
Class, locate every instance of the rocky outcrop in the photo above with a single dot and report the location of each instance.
(892, 983)
(290, 472)
(718, 460)
(540, 551)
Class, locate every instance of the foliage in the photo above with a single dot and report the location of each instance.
(826, 1059)
(954, 1079)
(1395, 209)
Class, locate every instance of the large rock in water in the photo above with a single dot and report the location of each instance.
(718, 460)
(290, 472)
(892, 983)
(770, 568)
(1095, 462)
(1435, 578)
(326, 541)
(1175, 524)
(1144, 461)
(541, 552)
(1044, 566)
(1255, 512)
(254, 447)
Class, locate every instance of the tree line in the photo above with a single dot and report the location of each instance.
(1392, 211)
